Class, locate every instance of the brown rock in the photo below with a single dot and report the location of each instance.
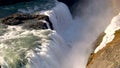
(44, 17)
(28, 21)
(109, 56)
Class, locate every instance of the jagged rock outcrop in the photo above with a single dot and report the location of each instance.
(107, 53)
(28, 21)
(8, 2)
(109, 56)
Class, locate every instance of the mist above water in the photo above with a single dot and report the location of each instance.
(90, 20)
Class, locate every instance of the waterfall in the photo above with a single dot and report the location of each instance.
(67, 46)
(22, 48)
(35, 48)
(60, 17)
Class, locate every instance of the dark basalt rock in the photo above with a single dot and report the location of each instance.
(70, 3)
(47, 19)
(28, 21)
(8, 2)
(16, 19)
(74, 5)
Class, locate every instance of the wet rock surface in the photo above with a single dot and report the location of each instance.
(36, 25)
(28, 21)
(108, 57)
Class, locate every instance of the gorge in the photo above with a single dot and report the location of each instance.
(53, 34)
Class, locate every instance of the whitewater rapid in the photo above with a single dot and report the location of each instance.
(46, 48)
(60, 17)
(60, 48)
(109, 32)
(22, 48)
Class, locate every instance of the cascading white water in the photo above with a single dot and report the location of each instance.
(110, 30)
(60, 17)
(41, 48)
(45, 48)
(22, 48)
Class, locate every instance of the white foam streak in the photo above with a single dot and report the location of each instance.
(110, 30)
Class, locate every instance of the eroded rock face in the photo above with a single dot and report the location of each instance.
(8, 2)
(109, 56)
(28, 21)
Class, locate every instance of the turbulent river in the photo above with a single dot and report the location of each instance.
(67, 46)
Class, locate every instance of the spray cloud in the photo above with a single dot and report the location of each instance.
(87, 25)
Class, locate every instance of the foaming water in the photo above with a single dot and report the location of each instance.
(35, 48)
(60, 17)
(22, 48)
(47, 49)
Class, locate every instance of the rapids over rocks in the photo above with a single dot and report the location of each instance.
(44, 33)
(36, 46)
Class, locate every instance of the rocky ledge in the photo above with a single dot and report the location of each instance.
(109, 56)
(28, 21)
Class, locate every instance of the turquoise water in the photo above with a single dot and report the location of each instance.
(37, 5)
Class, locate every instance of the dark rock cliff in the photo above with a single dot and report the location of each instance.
(71, 3)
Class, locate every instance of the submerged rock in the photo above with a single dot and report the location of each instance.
(28, 21)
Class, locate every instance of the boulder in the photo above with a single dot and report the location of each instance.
(16, 19)
(28, 21)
